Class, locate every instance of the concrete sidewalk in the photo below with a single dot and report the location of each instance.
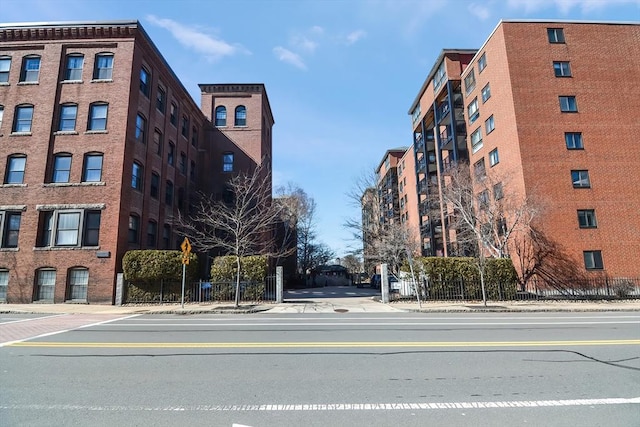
(329, 305)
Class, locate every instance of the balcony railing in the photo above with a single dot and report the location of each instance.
(443, 110)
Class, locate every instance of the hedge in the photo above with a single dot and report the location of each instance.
(153, 265)
(252, 269)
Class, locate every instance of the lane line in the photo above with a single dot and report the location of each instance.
(48, 334)
(345, 344)
(359, 318)
(422, 323)
(32, 318)
(332, 407)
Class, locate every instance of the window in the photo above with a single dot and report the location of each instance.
(137, 173)
(479, 169)
(493, 157)
(486, 93)
(497, 191)
(157, 142)
(152, 232)
(173, 114)
(1, 115)
(168, 194)
(145, 81)
(166, 237)
(155, 185)
(15, 169)
(103, 69)
(9, 228)
(4, 284)
(45, 284)
(241, 116)
(68, 114)
(221, 116)
(92, 168)
(476, 139)
(183, 163)
(141, 126)
(469, 82)
(192, 171)
(98, 117)
(580, 179)
(472, 110)
(573, 140)
(77, 284)
(30, 69)
(194, 136)
(562, 69)
(23, 119)
(171, 154)
(227, 162)
(440, 77)
(587, 218)
(134, 227)
(5, 66)
(489, 125)
(483, 199)
(556, 35)
(69, 228)
(185, 127)
(482, 62)
(74, 67)
(61, 168)
(161, 100)
(568, 104)
(593, 260)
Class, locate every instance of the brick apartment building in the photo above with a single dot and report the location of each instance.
(551, 105)
(100, 147)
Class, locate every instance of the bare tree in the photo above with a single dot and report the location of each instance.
(240, 224)
(485, 217)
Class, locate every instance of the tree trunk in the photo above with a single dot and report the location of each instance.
(237, 282)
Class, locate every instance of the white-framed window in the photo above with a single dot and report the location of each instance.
(472, 110)
(61, 167)
(98, 116)
(489, 125)
(23, 119)
(103, 67)
(5, 67)
(555, 35)
(68, 113)
(587, 218)
(240, 116)
(593, 260)
(469, 82)
(573, 140)
(568, 104)
(45, 284)
(494, 159)
(73, 70)
(16, 165)
(69, 228)
(221, 115)
(476, 139)
(92, 167)
(440, 77)
(30, 69)
(78, 282)
(4, 284)
(9, 228)
(580, 179)
(562, 68)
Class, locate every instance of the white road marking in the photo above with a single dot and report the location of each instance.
(479, 324)
(320, 407)
(32, 318)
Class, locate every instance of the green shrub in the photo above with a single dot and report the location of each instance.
(252, 269)
(153, 265)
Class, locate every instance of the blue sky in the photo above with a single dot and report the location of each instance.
(340, 75)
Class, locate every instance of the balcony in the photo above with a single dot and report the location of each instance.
(443, 111)
(446, 139)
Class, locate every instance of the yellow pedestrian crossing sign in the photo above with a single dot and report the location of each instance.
(186, 251)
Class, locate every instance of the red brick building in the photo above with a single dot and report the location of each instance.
(100, 147)
(551, 107)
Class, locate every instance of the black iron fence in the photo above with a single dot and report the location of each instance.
(461, 289)
(202, 291)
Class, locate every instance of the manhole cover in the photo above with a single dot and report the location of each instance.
(341, 310)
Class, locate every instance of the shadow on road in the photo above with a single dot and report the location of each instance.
(303, 295)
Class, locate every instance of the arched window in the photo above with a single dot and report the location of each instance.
(98, 116)
(134, 228)
(68, 114)
(77, 283)
(30, 69)
(92, 168)
(221, 115)
(75, 61)
(16, 164)
(103, 66)
(23, 118)
(45, 284)
(61, 167)
(241, 116)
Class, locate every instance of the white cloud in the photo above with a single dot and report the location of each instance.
(354, 36)
(285, 55)
(480, 11)
(301, 42)
(203, 43)
(565, 6)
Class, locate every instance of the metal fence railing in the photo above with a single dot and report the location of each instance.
(202, 291)
(461, 289)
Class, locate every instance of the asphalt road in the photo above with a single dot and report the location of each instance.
(408, 369)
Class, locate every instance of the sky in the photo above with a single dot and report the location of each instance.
(340, 75)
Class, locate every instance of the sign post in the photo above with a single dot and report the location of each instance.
(186, 251)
